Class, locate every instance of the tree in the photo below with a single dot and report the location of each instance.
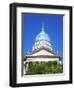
(44, 68)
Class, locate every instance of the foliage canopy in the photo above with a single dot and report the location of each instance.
(43, 68)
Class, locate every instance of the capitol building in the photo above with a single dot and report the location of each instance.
(42, 59)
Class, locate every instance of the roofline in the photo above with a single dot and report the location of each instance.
(43, 48)
(42, 56)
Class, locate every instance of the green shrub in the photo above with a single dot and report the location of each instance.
(44, 68)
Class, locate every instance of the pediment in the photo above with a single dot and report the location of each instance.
(43, 52)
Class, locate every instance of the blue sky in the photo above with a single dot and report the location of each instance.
(32, 24)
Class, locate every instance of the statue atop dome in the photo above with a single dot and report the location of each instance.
(42, 40)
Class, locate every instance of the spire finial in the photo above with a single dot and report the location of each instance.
(57, 51)
(43, 27)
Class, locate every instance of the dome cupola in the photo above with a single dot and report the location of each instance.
(42, 40)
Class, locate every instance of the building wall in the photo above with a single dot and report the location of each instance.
(41, 59)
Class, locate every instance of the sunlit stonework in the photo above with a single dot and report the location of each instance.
(42, 40)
